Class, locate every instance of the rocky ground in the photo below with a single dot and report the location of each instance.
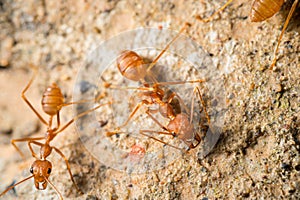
(257, 155)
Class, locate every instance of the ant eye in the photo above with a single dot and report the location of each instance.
(49, 170)
(31, 170)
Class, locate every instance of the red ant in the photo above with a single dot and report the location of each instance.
(52, 103)
(260, 11)
(133, 67)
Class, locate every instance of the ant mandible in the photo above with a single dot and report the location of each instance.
(52, 103)
(260, 11)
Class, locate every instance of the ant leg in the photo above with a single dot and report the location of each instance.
(14, 185)
(137, 107)
(118, 87)
(56, 190)
(68, 166)
(192, 146)
(205, 20)
(155, 85)
(31, 149)
(97, 98)
(157, 122)
(143, 132)
(78, 116)
(167, 47)
(23, 140)
(171, 97)
(180, 82)
(27, 101)
(198, 139)
(196, 89)
(282, 32)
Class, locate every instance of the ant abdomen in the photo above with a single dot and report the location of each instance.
(131, 65)
(264, 9)
(52, 100)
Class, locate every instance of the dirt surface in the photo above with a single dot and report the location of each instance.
(257, 155)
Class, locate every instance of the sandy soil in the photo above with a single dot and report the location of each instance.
(257, 155)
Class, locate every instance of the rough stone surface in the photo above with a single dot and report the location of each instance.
(257, 155)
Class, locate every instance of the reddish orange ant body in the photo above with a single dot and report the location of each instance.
(52, 103)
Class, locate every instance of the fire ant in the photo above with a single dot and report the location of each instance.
(260, 11)
(52, 103)
(133, 67)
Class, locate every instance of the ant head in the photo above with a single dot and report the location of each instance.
(131, 66)
(41, 170)
(182, 127)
